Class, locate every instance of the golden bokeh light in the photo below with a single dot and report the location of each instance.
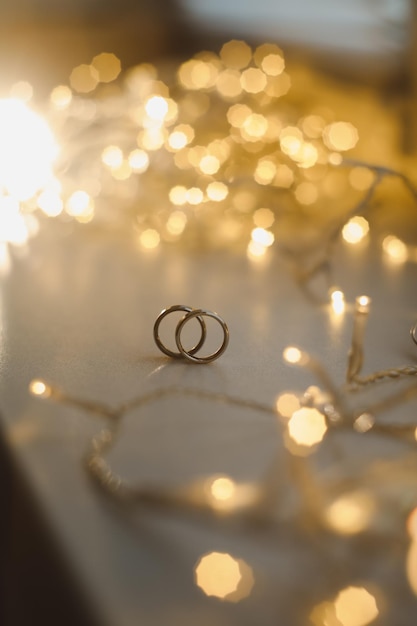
(40, 388)
(79, 203)
(287, 404)
(107, 66)
(340, 136)
(138, 161)
(338, 304)
(253, 80)
(149, 239)
(217, 191)
(209, 164)
(220, 575)
(351, 513)
(355, 606)
(84, 78)
(194, 195)
(178, 195)
(50, 202)
(293, 355)
(306, 193)
(222, 490)
(265, 172)
(28, 150)
(61, 97)
(112, 156)
(355, 230)
(228, 84)
(263, 237)
(361, 178)
(236, 54)
(362, 304)
(264, 218)
(307, 426)
(156, 108)
(176, 223)
(395, 249)
(256, 251)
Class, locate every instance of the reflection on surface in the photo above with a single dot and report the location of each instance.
(220, 575)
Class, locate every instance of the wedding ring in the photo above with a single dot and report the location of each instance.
(162, 346)
(413, 333)
(199, 314)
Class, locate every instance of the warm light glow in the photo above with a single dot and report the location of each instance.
(237, 114)
(181, 136)
(78, 203)
(107, 66)
(156, 108)
(222, 488)
(306, 193)
(39, 388)
(178, 195)
(228, 84)
(287, 404)
(273, 64)
(362, 304)
(355, 230)
(395, 249)
(262, 236)
(236, 54)
(138, 161)
(217, 191)
(412, 524)
(350, 513)
(209, 164)
(355, 606)
(284, 176)
(264, 218)
(265, 172)
(254, 127)
(361, 178)
(340, 136)
(84, 78)
(255, 250)
(293, 355)
(364, 423)
(307, 426)
(50, 203)
(222, 576)
(27, 150)
(176, 223)
(61, 97)
(149, 239)
(411, 566)
(253, 80)
(112, 156)
(338, 301)
(13, 225)
(194, 195)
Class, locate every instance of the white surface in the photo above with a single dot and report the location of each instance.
(78, 311)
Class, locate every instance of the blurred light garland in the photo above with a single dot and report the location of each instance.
(227, 150)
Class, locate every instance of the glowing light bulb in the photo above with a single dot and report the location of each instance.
(39, 388)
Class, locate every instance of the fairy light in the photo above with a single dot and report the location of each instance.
(355, 606)
(287, 404)
(395, 249)
(112, 156)
(149, 239)
(84, 78)
(355, 230)
(307, 426)
(350, 513)
(40, 388)
(138, 161)
(337, 301)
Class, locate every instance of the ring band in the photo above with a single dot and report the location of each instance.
(162, 346)
(190, 354)
(413, 333)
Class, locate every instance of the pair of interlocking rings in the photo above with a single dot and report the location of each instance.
(190, 314)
